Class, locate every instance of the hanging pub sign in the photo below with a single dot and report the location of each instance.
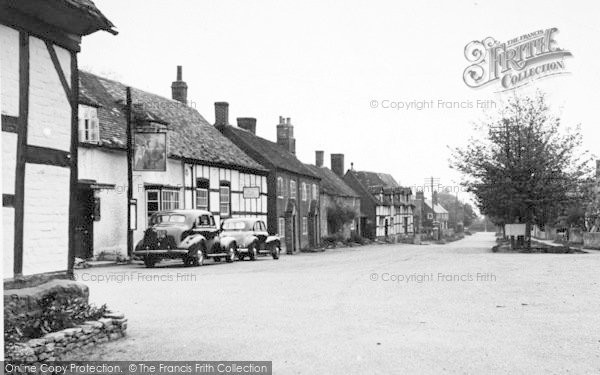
(251, 192)
(150, 152)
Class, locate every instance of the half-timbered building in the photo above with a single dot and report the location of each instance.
(203, 169)
(39, 42)
(386, 206)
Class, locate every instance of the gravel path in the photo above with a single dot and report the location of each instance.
(381, 309)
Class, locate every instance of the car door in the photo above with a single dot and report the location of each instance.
(205, 225)
(260, 231)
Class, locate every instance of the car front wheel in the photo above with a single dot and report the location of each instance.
(149, 261)
(252, 252)
(231, 250)
(275, 250)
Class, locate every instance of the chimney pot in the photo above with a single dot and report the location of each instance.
(337, 164)
(221, 113)
(179, 87)
(285, 135)
(247, 123)
(319, 158)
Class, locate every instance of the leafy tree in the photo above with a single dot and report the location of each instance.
(457, 210)
(338, 215)
(526, 168)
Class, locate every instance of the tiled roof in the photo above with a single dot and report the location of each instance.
(331, 183)
(190, 136)
(370, 179)
(269, 154)
(438, 207)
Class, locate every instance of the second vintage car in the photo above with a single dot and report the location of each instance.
(250, 237)
(190, 235)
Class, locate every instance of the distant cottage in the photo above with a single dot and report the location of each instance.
(337, 200)
(387, 208)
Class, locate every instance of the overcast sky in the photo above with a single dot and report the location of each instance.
(323, 62)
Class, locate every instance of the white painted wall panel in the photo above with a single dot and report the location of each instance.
(64, 58)
(49, 108)
(8, 235)
(9, 162)
(9, 73)
(46, 219)
(214, 201)
(235, 180)
(214, 178)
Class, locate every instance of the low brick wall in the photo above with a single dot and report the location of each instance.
(56, 346)
(591, 240)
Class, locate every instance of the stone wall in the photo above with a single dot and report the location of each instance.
(60, 345)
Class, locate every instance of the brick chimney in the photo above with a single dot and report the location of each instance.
(337, 164)
(221, 113)
(420, 195)
(319, 158)
(285, 134)
(434, 198)
(179, 88)
(247, 123)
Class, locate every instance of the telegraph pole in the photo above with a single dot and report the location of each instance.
(128, 110)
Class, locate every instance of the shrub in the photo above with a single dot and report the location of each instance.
(56, 314)
(332, 239)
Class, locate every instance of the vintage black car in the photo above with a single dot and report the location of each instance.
(250, 238)
(190, 235)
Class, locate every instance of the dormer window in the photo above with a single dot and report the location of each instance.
(89, 129)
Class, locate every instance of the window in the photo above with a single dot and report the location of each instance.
(292, 189)
(152, 202)
(280, 187)
(430, 216)
(202, 194)
(88, 124)
(304, 225)
(170, 200)
(161, 199)
(315, 192)
(281, 227)
(224, 201)
(304, 193)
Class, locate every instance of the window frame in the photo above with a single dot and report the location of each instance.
(88, 124)
(293, 192)
(175, 204)
(202, 185)
(224, 185)
(280, 188)
(304, 225)
(304, 192)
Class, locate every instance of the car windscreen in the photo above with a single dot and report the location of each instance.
(235, 225)
(168, 218)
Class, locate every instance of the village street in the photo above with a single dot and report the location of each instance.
(339, 311)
